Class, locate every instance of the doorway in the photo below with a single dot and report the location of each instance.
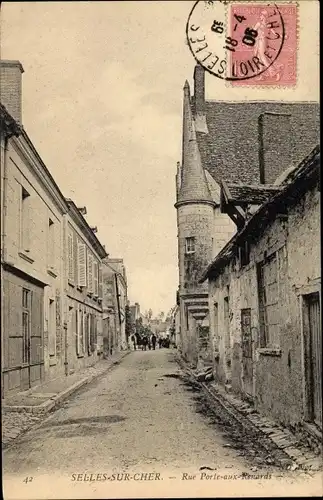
(247, 356)
(313, 357)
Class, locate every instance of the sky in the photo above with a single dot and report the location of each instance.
(102, 103)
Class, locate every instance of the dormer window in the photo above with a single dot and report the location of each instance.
(189, 245)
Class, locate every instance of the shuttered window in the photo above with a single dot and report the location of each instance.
(100, 281)
(87, 333)
(80, 333)
(90, 273)
(77, 332)
(96, 278)
(71, 273)
(81, 264)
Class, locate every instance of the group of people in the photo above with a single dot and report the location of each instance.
(149, 341)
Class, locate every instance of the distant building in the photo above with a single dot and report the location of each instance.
(135, 312)
(265, 300)
(114, 305)
(237, 142)
(84, 292)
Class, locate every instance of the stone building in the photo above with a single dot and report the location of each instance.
(237, 142)
(32, 251)
(265, 300)
(114, 305)
(50, 261)
(84, 293)
(135, 312)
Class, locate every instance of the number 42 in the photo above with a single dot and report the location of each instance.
(28, 480)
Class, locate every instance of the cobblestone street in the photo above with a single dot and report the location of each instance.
(144, 416)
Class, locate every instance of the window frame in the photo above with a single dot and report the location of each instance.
(188, 241)
(265, 340)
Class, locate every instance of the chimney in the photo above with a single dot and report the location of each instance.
(11, 87)
(199, 90)
(275, 154)
(82, 210)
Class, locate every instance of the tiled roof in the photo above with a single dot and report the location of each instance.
(308, 169)
(257, 195)
(303, 167)
(230, 149)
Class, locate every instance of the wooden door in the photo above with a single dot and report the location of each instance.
(315, 359)
(247, 352)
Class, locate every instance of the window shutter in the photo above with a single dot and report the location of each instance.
(100, 281)
(96, 278)
(36, 332)
(78, 328)
(81, 264)
(70, 258)
(86, 333)
(84, 325)
(90, 273)
(92, 345)
(89, 345)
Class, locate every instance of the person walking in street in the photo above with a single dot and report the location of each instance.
(144, 343)
(133, 340)
(160, 342)
(153, 341)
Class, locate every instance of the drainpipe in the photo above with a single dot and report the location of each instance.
(3, 156)
(4, 197)
(118, 301)
(66, 346)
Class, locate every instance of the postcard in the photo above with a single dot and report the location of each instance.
(160, 249)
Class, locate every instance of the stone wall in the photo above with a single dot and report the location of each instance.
(278, 378)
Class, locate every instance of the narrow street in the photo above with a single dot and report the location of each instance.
(142, 417)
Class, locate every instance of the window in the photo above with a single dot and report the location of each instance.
(51, 244)
(244, 254)
(189, 245)
(100, 284)
(25, 220)
(71, 261)
(80, 331)
(26, 319)
(81, 261)
(96, 278)
(87, 333)
(90, 273)
(267, 279)
(93, 335)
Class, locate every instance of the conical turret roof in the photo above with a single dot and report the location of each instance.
(194, 186)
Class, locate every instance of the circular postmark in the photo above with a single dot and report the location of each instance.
(235, 40)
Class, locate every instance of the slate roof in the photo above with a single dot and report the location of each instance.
(256, 195)
(307, 171)
(194, 185)
(230, 149)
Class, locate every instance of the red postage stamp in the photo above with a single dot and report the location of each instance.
(262, 27)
